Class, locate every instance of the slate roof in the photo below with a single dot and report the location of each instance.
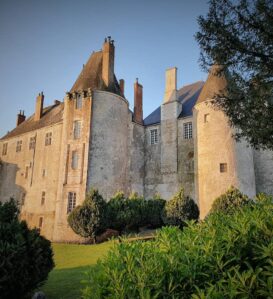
(51, 115)
(187, 95)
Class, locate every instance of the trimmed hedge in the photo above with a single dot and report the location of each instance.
(225, 256)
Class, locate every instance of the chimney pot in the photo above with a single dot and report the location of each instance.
(20, 118)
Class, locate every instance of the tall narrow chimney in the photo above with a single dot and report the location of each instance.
(108, 55)
(171, 82)
(121, 86)
(20, 118)
(39, 106)
(138, 112)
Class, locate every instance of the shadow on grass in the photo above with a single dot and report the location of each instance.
(65, 283)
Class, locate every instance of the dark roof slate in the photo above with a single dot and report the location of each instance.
(51, 115)
(187, 95)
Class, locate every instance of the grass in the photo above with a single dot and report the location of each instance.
(71, 261)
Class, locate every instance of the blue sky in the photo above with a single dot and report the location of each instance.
(44, 43)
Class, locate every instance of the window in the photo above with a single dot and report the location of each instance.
(223, 167)
(48, 138)
(75, 159)
(40, 222)
(78, 101)
(206, 118)
(188, 130)
(23, 197)
(19, 146)
(154, 136)
(43, 198)
(71, 203)
(77, 129)
(5, 149)
(32, 142)
(26, 172)
(44, 173)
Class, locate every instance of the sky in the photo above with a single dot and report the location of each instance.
(44, 44)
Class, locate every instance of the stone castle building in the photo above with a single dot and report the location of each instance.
(92, 139)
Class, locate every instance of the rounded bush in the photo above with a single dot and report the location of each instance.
(229, 201)
(26, 257)
(225, 256)
(180, 209)
(88, 220)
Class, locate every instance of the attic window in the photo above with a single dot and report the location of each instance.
(78, 101)
(188, 130)
(5, 149)
(154, 136)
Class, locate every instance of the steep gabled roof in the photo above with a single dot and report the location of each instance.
(51, 115)
(91, 76)
(187, 95)
(215, 84)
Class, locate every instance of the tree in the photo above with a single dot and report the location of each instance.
(238, 36)
(26, 258)
(88, 220)
(180, 209)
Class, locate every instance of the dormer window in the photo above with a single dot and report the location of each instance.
(78, 101)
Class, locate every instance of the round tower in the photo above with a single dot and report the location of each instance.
(220, 161)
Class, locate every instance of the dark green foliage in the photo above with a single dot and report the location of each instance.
(180, 209)
(129, 214)
(238, 36)
(26, 258)
(230, 201)
(88, 220)
(225, 256)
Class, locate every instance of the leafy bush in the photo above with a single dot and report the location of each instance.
(88, 220)
(26, 258)
(180, 209)
(225, 256)
(229, 201)
(154, 212)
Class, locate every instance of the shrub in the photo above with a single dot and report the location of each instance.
(88, 220)
(154, 212)
(26, 258)
(225, 256)
(180, 209)
(229, 201)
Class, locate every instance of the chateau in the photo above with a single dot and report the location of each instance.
(92, 139)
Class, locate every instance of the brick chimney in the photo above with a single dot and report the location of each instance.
(20, 118)
(108, 55)
(39, 106)
(170, 88)
(138, 112)
(121, 85)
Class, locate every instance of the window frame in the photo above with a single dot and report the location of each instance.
(154, 136)
(223, 167)
(187, 130)
(78, 101)
(41, 222)
(77, 128)
(19, 146)
(74, 160)
(71, 201)
(48, 138)
(5, 149)
(43, 198)
(32, 143)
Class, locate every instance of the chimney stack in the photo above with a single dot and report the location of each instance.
(108, 55)
(171, 88)
(121, 85)
(138, 112)
(39, 106)
(20, 118)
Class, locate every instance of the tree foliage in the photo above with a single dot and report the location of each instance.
(26, 258)
(180, 209)
(238, 35)
(88, 220)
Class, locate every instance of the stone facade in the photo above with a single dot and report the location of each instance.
(92, 139)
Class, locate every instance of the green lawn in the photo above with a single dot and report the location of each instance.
(71, 261)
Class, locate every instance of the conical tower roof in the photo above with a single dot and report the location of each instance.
(215, 84)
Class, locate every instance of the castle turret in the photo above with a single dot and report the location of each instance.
(220, 161)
